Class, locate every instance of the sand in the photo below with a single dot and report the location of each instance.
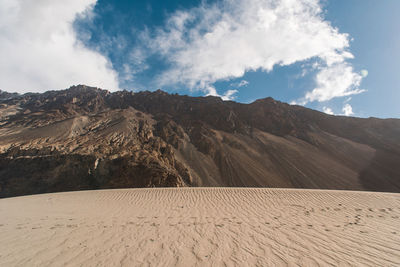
(201, 226)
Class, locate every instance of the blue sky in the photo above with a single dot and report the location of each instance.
(340, 57)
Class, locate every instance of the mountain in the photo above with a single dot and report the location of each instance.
(88, 138)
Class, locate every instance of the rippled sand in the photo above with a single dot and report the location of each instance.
(201, 226)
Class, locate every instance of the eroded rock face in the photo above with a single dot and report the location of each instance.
(73, 140)
(88, 138)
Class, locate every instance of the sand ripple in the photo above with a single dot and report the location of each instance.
(201, 226)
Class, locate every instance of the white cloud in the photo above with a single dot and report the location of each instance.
(228, 95)
(347, 110)
(39, 50)
(222, 41)
(334, 80)
(328, 110)
(364, 73)
(243, 83)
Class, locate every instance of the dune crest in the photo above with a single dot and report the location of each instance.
(201, 226)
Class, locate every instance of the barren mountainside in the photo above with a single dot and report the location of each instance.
(88, 138)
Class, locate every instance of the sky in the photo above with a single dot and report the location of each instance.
(336, 56)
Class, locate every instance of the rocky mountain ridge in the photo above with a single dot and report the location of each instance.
(88, 138)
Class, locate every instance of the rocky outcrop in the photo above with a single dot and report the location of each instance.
(88, 138)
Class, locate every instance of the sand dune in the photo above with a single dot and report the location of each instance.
(201, 226)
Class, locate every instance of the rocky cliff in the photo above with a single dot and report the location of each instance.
(88, 138)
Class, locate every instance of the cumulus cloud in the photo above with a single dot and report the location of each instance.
(228, 95)
(222, 41)
(333, 81)
(39, 50)
(347, 110)
(328, 110)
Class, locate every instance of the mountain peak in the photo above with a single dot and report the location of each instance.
(87, 138)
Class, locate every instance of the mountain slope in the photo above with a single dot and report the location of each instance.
(87, 138)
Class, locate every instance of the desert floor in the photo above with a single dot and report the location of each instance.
(201, 226)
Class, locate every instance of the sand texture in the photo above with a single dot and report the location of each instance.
(201, 226)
